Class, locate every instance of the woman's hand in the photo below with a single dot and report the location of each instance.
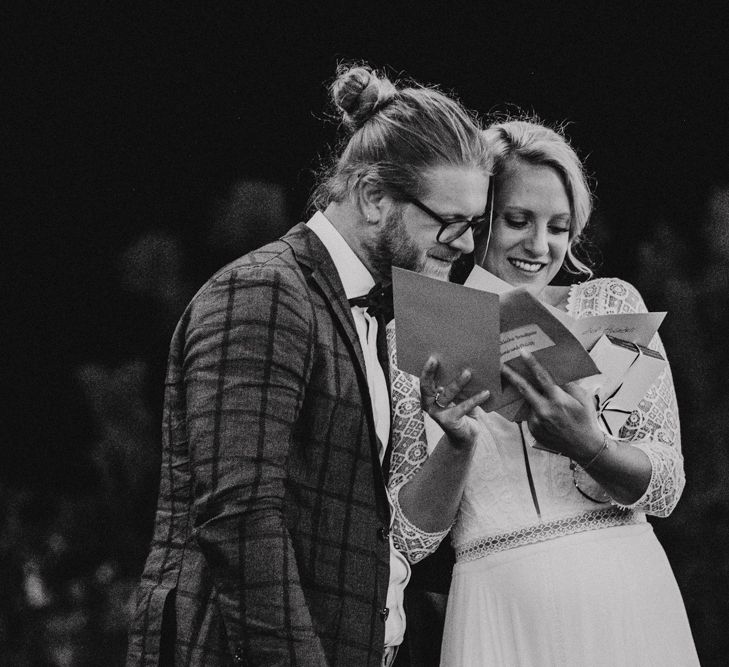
(439, 401)
(561, 419)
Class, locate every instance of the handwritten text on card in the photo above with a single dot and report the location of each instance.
(529, 337)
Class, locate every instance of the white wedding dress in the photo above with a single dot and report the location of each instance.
(545, 576)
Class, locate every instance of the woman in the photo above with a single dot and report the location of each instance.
(555, 561)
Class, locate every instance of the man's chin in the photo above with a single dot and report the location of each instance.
(434, 268)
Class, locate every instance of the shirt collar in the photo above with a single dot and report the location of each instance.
(355, 277)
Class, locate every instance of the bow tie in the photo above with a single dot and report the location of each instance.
(378, 302)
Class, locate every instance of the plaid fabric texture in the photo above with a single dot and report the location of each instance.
(267, 548)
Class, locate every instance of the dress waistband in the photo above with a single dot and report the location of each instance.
(595, 520)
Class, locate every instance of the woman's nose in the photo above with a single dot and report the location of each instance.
(536, 242)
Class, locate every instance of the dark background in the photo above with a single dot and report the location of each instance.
(133, 132)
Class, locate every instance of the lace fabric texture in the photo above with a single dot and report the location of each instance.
(544, 531)
(654, 426)
(497, 499)
(410, 451)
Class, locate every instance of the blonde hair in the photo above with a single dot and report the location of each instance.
(532, 142)
(393, 134)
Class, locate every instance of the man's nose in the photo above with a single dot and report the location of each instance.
(464, 242)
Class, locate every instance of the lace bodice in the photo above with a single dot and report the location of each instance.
(498, 504)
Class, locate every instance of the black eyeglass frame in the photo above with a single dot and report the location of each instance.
(444, 224)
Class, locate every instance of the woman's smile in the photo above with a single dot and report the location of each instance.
(528, 267)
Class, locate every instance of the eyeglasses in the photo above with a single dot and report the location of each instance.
(450, 230)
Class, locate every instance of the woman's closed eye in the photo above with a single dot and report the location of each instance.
(516, 222)
(559, 229)
(521, 222)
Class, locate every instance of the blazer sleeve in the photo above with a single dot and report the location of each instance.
(247, 358)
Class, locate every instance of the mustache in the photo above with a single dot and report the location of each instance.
(445, 255)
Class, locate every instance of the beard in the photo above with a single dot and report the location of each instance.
(440, 270)
(395, 247)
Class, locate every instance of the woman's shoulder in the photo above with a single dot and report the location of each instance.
(604, 296)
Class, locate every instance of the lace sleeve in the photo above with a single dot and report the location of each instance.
(654, 425)
(409, 452)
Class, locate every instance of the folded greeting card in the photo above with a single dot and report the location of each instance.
(480, 330)
(627, 371)
(457, 324)
(487, 322)
(526, 324)
(636, 328)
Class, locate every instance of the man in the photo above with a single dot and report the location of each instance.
(271, 542)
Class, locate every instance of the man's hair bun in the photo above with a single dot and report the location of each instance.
(391, 132)
(359, 92)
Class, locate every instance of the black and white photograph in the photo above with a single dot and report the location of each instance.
(365, 334)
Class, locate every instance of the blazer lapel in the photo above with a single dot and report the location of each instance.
(311, 253)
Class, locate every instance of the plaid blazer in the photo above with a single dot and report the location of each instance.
(270, 543)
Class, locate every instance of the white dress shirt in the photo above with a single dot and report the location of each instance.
(357, 281)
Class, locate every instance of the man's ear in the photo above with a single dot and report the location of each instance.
(373, 202)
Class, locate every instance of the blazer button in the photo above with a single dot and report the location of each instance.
(383, 533)
(239, 659)
(384, 613)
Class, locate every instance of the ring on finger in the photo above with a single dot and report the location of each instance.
(437, 400)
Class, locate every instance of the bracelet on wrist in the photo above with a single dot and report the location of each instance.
(574, 467)
(600, 452)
